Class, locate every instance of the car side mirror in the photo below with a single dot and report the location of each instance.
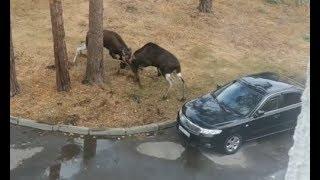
(259, 113)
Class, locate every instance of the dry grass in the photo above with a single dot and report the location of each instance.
(241, 37)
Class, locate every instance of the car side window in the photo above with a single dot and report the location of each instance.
(291, 98)
(271, 104)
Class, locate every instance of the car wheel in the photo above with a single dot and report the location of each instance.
(232, 144)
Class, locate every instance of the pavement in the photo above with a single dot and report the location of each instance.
(36, 154)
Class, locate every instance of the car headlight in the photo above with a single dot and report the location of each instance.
(210, 132)
(183, 118)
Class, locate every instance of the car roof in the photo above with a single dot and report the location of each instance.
(268, 85)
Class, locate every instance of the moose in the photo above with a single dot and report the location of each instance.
(114, 43)
(166, 63)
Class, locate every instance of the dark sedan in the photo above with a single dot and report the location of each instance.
(248, 108)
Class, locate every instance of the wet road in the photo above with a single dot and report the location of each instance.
(45, 155)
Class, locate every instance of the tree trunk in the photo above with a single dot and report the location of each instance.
(205, 6)
(60, 51)
(14, 86)
(95, 67)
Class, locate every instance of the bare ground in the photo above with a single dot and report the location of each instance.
(241, 37)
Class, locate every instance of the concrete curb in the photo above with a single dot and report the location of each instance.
(93, 131)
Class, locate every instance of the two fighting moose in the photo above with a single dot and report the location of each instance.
(150, 54)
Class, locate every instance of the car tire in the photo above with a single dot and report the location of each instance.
(232, 144)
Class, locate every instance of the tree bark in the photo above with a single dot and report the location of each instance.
(60, 50)
(95, 66)
(205, 6)
(14, 86)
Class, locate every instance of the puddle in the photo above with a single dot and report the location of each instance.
(69, 151)
(103, 144)
(71, 161)
(164, 150)
(67, 164)
(18, 155)
(238, 158)
(64, 170)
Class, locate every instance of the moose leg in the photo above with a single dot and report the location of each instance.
(76, 56)
(159, 72)
(183, 87)
(113, 55)
(168, 78)
(136, 76)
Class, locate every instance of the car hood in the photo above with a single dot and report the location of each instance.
(206, 112)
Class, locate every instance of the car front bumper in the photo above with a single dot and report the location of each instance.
(198, 140)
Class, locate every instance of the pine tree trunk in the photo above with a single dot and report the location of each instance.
(205, 6)
(14, 86)
(60, 50)
(95, 67)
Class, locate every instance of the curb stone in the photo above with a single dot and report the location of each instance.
(142, 129)
(34, 124)
(73, 129)
(166, 124)
(108, 132)
(14, 121)
(93, 131)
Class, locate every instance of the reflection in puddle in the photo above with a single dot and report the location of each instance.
(192, 157)
(69, 151)
(69, 163)
(233, 159)
(103, 144)
(64, 169)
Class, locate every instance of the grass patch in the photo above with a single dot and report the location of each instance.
(212, 49)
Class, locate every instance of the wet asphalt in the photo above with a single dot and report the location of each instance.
(43, 155)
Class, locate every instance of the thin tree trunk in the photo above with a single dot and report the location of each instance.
(205, 6)
(95, 67)
(60, 50)
(14, 86)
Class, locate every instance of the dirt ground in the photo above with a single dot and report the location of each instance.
(241, 37)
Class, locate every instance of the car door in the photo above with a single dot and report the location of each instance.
(290, 109)
(268, 121)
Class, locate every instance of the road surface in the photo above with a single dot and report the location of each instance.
(42, 155)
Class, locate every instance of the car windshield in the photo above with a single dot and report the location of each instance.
(239, 98)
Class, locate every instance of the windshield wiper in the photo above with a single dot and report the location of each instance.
(229, 109)
(215, 98)
(223, 106)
